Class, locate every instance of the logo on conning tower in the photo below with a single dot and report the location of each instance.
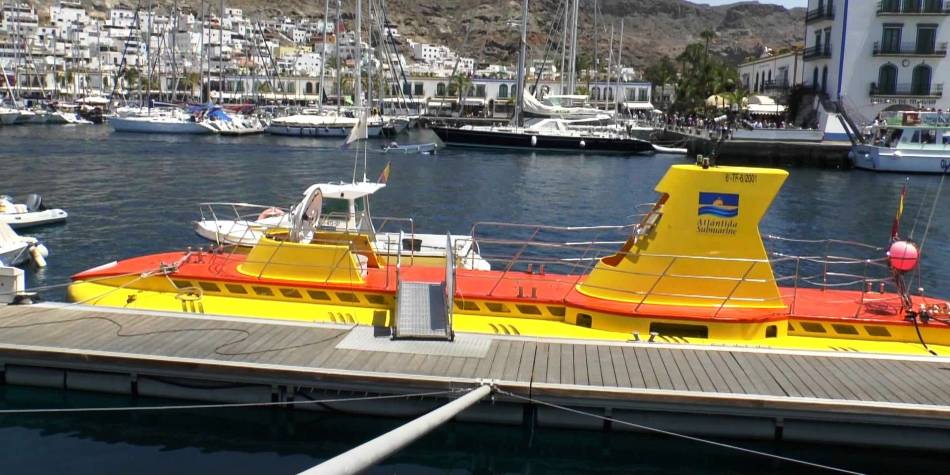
(720, 205)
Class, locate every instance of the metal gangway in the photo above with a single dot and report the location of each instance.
(424, 309)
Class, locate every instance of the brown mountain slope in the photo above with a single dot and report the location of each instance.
(651, 27)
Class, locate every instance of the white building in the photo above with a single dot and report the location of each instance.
(772, 74)
(873, 55)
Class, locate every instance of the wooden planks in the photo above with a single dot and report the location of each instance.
(524, 360)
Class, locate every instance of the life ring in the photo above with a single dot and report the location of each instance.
(269, 213)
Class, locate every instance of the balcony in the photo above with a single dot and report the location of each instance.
(913, 7)
(907, 90)
(826, 12)
(910, 49)
(777, 85)
(817, 51)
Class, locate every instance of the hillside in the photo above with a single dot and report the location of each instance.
(651, 27)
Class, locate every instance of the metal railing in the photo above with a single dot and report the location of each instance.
(910, 49)
(817, 51)
(820, 13)
(913, 7)
(907, 89)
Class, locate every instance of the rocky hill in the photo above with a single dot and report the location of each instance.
(651, 27)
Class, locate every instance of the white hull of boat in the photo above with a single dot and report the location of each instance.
(904, 160)
(33, 218)
(318, 131)
(157, 125)
(14, 253)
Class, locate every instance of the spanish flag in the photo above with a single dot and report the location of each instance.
(900, 210)
(384, 176)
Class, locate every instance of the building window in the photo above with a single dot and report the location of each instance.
(814, 78)
(887, 79)
(827, 49)
(824, 80)
(479, 90)
(891, 39)
(926, 39)
(642, 94)
(920, 82)
(595, 93)
(503, 91)
(440, 89)
(308, 88)
(418, 89)
(406, 88)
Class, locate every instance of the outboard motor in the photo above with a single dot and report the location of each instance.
(34, 202)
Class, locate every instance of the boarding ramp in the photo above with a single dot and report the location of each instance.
(424, 309)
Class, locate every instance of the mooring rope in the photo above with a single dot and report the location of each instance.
(225, 405)
(679, 435)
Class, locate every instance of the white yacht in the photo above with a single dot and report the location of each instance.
(157, 121)
(341, 207)
(315, 124)
(907, 142)
(8, 115)
(31, 213)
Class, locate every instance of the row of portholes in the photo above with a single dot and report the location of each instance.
(524, 309)
(285, 292)
(841, 329)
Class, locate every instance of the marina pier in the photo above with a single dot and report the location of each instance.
(716, 391)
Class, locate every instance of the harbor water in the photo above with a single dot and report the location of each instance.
(132, 194)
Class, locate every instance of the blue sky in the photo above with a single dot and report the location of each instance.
(786, 3)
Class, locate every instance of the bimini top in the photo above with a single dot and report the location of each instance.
(346, 191)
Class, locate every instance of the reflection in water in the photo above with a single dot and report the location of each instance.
(130, 194)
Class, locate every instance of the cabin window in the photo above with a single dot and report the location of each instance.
(584, 320)
(318, 295)
(916, 137)
(262, 291)
(556, 311)
(529, 309)
(410, 244)
(208, 286)
(874, 330)
(376, 299)
(291, 293)
(235, 289)
(466, 305)
(680, 330)
(181, 283)
(928, 136)
(497, 307)
(813, 327)
(844, 329)
(771, 331)
(347, 297)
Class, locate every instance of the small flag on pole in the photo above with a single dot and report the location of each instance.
(384, 176)
(900, 210)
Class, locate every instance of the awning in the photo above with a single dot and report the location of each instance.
(438, 103)
(638, 105)
(761, 100)
(95, 100)
(473, 101)
(766, 109)
(401, 100)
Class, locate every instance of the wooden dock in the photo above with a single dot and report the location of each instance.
(762, 152)
(715, 390)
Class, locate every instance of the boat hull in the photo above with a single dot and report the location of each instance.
(318, 131)
(9, 118)
(544, 142)
(141, 125)
(34, 218)
(869, 157)
(14, 254)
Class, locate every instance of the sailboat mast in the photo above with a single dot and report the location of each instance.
(358, 66)
(619, 66)
(610, 63)
(522, 90)
(323, 52)
(148, 57)
(572, 85)
(221, 54)
(567, 14)
(336, 36)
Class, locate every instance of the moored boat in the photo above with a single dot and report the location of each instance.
(694, 269)
(543, 134)
(31, 213)
(907, 142)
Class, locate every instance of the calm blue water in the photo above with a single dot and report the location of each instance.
(132, 194)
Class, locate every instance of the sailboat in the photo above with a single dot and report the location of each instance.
(548, 134)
